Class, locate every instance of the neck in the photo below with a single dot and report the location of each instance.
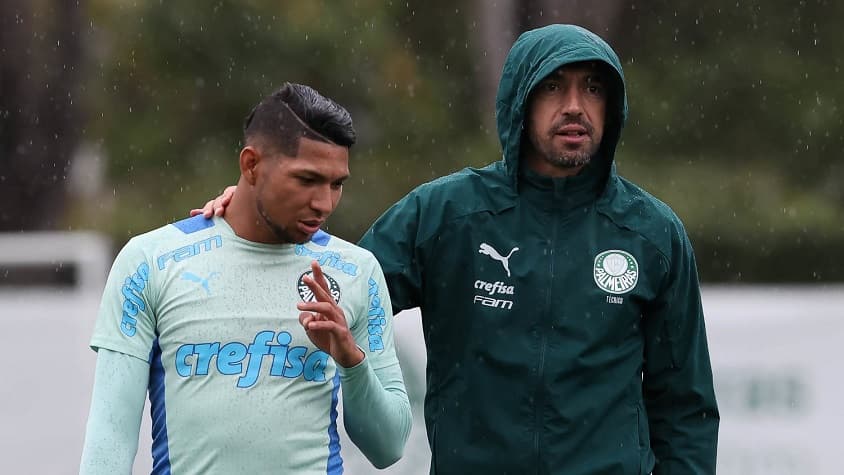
(242, 215)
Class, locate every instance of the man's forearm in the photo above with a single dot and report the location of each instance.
(376, 411)
(117, 404)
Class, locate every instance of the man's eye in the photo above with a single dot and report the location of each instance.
(306, 180)
(596, 89)
(550, 86)
(337, 185)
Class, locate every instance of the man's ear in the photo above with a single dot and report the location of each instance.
(249, 158)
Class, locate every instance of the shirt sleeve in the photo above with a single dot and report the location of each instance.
(126, 318)
(376, 409)
(677, 381)
(117, 405)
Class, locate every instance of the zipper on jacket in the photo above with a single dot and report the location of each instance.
(545, 328)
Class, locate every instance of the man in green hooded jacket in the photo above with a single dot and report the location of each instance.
(560, 302)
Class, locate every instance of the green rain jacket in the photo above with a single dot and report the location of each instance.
(562, 317)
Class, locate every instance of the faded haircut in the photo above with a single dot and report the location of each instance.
(294, 111)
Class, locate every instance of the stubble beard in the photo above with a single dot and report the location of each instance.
(566, 159)
(280, 233)
(572, 159)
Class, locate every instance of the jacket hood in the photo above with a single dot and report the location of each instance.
(538, 53)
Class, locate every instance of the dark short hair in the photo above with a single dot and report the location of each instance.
(294, 111)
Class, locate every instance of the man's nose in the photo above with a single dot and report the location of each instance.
(321, 200)
(572, 102)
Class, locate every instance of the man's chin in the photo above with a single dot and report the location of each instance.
(302, 237)
(292, 238)
(569, 160)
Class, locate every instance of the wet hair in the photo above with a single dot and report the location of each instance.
(295, 111)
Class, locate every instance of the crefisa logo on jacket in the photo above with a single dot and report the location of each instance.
(498, 293)
(306, 293)
(616, 271)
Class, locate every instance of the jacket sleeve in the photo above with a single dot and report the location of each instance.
(117, 405)
(677, 381)
(394, 239)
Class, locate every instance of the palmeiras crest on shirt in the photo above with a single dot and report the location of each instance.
(306, 293)
(616, 271)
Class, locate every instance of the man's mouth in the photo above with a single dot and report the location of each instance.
(572, 131)
(573, 134)
(310, 226)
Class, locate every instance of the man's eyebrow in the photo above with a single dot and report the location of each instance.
(312, 174)
(319, 176)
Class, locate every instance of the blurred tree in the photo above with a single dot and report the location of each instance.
(735, 116)
(40, 117)
(601, 16)
(174, 82)
(736, 122)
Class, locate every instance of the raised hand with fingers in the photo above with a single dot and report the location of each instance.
(325, 323)
(217, 206)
